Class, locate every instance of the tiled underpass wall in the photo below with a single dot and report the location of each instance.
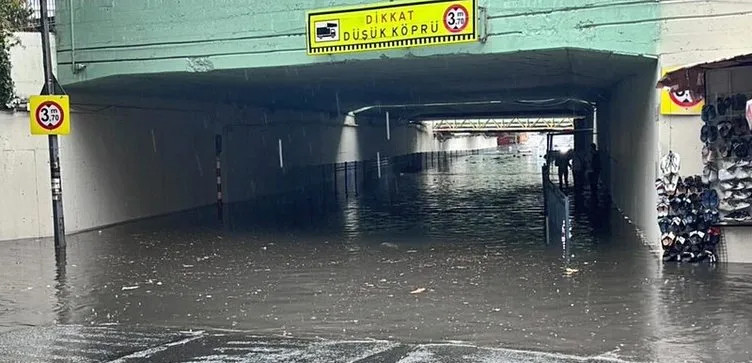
(251, 159)
(628, 139)
(133, 158)
(318, 187)
(119, 163)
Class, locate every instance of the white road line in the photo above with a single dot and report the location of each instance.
(151, 351)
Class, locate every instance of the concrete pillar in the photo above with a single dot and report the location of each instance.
(583, 137)
(583, 134)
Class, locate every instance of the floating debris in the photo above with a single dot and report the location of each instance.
(418, 290)
(126, 288)
(389, 245)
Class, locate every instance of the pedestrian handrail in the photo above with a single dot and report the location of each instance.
(556, 211)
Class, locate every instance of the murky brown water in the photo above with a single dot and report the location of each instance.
(467, 238)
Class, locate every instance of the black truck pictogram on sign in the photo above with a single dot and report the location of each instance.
(327, 31)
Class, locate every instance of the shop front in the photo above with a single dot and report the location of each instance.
(708, 217)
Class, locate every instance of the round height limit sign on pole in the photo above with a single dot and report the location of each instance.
(49, 115)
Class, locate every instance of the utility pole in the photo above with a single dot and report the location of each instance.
(49, 86)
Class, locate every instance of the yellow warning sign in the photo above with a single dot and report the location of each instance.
(680, 102)
(49, 115)
(391, 25)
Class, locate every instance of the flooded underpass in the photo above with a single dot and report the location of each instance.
(448, 264)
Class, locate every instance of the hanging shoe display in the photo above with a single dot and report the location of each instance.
(709, 155)
(670, 164)
(709, 134)
(724, 129)
(725, 175)
(739, 103)
(708, 114)
(691, 209)
(687, 208)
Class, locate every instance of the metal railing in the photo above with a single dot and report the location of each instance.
(35, 18)
(556, 209)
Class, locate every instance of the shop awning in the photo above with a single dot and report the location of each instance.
(692, 77)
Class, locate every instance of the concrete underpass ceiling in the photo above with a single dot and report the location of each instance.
(344, 86)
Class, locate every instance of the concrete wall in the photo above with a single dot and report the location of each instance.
(121, 163)
(132, 158)
(628, 137)
(25, 204)
(25, 199)
(118, 164)
(145, 36)
(26, 58)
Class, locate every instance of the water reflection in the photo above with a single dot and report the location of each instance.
(62, 292)
(468, 232)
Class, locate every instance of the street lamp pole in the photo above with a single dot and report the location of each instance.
(58, 221)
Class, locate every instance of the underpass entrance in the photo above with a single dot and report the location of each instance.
(562, 144)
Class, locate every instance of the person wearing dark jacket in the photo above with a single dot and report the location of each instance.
(562, 163)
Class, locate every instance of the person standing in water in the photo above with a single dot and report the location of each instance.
(562, 162)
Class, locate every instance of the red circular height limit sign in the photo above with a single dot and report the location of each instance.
(684, 98)
(456, 18)
(49, 115)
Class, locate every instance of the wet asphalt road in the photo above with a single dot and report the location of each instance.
(307, 282)
(73, 343)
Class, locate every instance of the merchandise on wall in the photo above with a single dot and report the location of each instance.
(687, 211)
(726, 87)
(726, 154)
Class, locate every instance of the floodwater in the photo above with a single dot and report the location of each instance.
(455, 254)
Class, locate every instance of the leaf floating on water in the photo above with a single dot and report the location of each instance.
(389, 245)
(418, 290)
(126, 288)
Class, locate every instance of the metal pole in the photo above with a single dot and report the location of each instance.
(334, 168)
(281, 160)
(218, 151)
(567, 227)
(58, 221)
(388, 131)
(378, 163)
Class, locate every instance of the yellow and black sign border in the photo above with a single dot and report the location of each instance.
(62, 102)
(387, 44)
